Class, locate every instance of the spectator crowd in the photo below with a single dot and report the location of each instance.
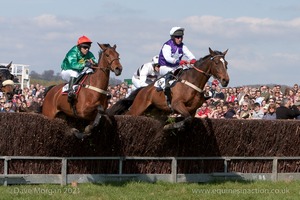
(245, 102)
(262, 102)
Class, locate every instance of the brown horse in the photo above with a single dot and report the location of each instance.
(186, 93)
(6, 81)
(91, 100)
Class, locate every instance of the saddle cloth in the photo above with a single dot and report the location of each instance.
(66, 88)
(80, 78)
(161, 82)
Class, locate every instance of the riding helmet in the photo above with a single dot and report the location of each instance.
(177, 31)
(84, 39)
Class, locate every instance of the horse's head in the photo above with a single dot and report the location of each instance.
(111, 58)
(6, 80)
(219, 66)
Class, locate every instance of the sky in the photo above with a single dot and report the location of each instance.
(262, 36)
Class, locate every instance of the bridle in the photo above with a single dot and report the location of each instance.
(107, 68)
(109, 63)
(203, 72)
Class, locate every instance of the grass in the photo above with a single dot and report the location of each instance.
(264, 190)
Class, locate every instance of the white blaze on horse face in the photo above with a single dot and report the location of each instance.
(223, 61)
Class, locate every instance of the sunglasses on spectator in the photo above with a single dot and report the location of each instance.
(245, 105)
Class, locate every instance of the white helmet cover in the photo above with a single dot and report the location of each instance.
(155, 60)
(176, 29)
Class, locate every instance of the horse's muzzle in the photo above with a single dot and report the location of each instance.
(224, 83)
(118, 71)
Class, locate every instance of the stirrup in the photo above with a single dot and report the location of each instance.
(71, 93)
(167, 88)
(71, 96)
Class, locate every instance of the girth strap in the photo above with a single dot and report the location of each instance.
(96, 89)
(192, 85)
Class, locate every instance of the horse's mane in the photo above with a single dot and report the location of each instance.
(201, 60)
(107, 45)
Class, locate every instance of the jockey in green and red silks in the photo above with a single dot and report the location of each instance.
(77, 58)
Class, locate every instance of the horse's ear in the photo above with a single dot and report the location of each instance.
(115, 46)
(101, 46)
(211, 51)
(224, 53)
(8, 66)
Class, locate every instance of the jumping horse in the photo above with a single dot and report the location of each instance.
(92, 98)
(186, 93)
(7, 81)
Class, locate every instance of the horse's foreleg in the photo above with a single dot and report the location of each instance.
(184, 111)
(100, 112)
(181, 108)
(88, 129)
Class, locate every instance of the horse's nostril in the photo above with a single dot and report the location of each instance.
(118, 71)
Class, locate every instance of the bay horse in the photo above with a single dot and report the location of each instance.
(6, 81)
(187, 93)
(92, 98)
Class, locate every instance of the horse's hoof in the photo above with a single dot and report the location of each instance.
(78, 134)
(178, 125)
(81, 136)
(88, 130)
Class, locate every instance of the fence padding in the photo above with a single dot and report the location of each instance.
(27, 134)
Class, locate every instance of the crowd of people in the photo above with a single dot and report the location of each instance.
(245, 102)
(28, 99)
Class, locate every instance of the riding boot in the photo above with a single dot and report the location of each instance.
(168, 87)
(167, 81)
(71, 93)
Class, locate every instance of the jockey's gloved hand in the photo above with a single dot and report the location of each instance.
(193, 61)
(183, 62)
(88, 64)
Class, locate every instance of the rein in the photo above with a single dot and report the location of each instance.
(201, 71)
(109, 64)
(99, 90)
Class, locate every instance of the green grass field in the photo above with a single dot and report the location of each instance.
(264, 190)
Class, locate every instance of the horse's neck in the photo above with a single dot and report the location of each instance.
(199, 78)
(100, 77)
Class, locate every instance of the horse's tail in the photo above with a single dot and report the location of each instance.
(121, 106)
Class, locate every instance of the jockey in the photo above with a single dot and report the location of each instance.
(146, 74)
(170, 56)
(75, 61)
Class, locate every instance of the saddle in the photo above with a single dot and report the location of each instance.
(78, 82)
(173, 77)
(160, 82)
